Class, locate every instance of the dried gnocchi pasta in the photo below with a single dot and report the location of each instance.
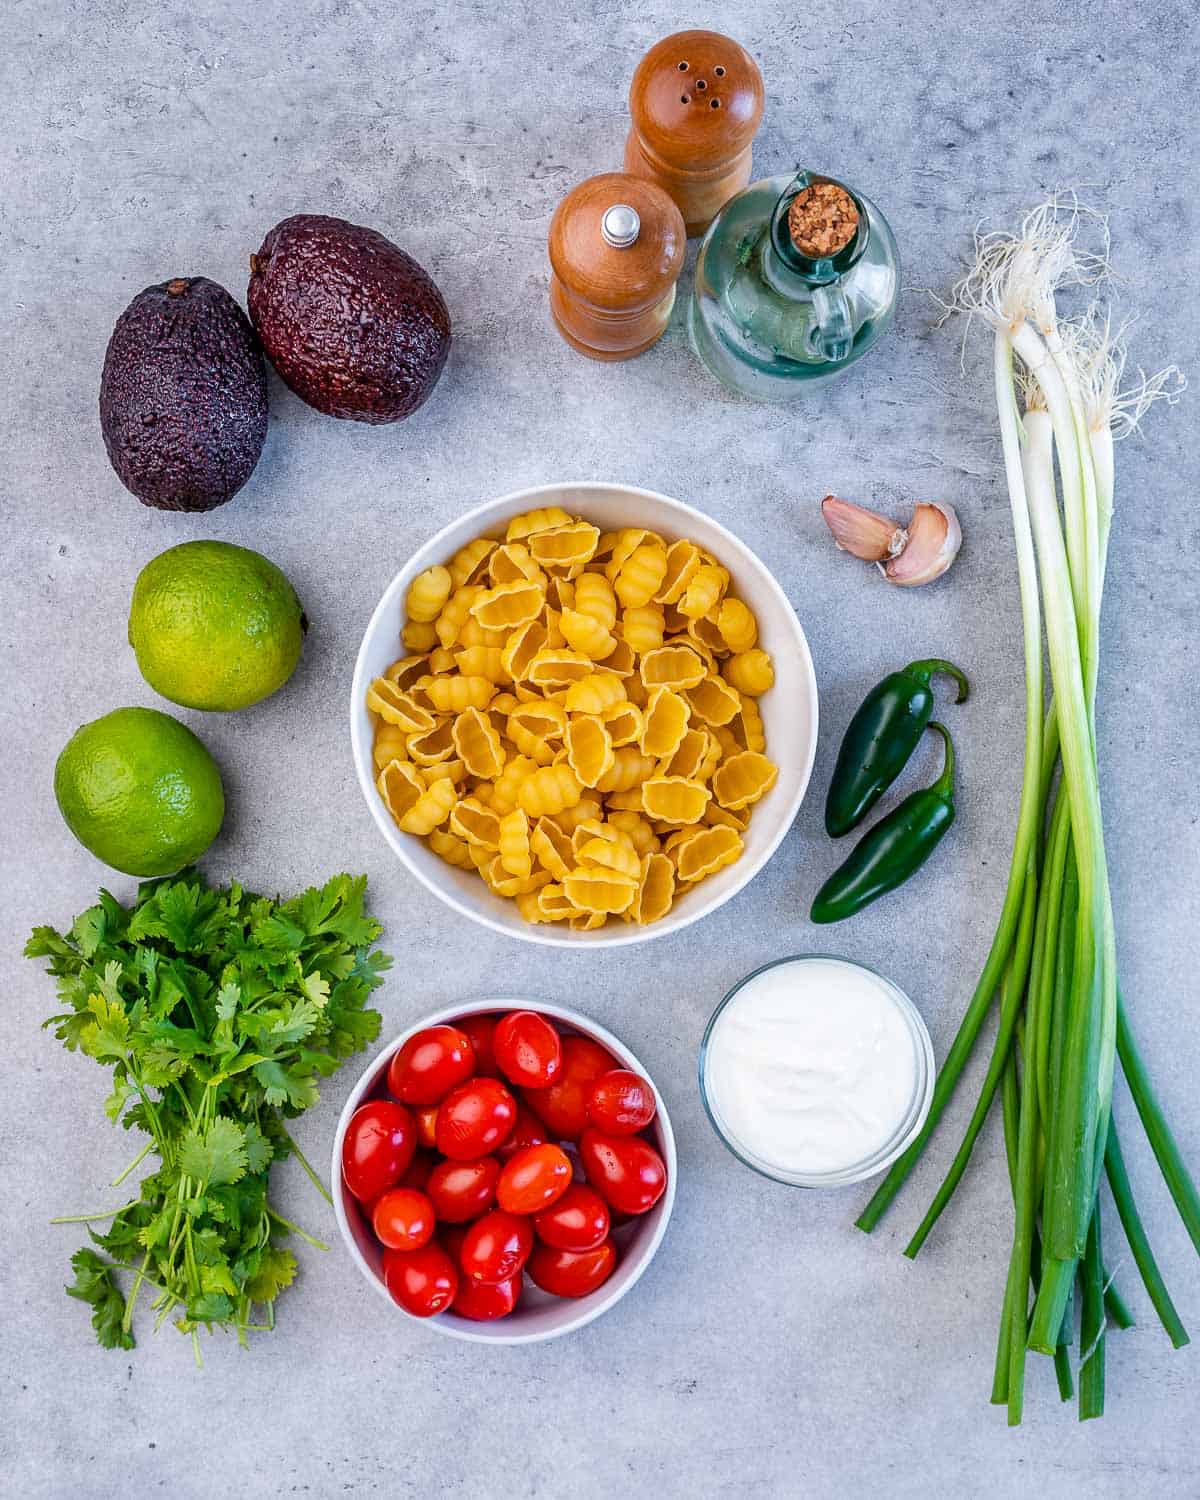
(574, 717)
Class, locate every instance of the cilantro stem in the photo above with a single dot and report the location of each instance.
(109, 1213)
(136, 1162)
(303, 1160)
(295, 1229)
(139, 1277)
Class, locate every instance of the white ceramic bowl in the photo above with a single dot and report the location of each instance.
(789, 710)
(538, 1316)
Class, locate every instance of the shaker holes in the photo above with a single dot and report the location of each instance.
(684, 99)
(714, 104)
(701, 85)
(719, 71)
(683, 67)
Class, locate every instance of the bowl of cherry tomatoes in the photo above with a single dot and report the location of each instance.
(504, 1170)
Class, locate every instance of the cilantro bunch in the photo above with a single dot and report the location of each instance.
(218, 1012)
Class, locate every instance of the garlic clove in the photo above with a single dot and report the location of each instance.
(934, 537)
(862, 532)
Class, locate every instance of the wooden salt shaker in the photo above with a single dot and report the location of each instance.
(696, 100)
(616, 249)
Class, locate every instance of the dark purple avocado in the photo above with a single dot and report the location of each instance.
(353, 325)
(183, 396)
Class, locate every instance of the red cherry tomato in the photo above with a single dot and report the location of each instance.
(578, 1221)
(403, 1219)
(563, 1106)
(528, 1131)
(422, 1281)
(463, 1190)
(566, 1273)
(429, 1064)
(622, 1103)
(426, 1121)
(419, 1168)
(534, 1179)
(482, 1030)
(474, 1118)
(481, 1302)
(377, 1148)
(528, 1049)
(626, 1171)
(496, 1247)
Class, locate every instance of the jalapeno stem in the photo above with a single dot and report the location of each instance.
(934, 664)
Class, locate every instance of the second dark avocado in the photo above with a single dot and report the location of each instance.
(352, 324)
(183, 396)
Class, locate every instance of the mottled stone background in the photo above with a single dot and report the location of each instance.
(772, 1349)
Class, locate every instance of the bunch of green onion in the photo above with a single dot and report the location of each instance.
(1052, 966)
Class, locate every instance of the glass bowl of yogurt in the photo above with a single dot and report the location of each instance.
(816, 1071)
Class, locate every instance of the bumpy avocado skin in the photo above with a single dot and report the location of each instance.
(352, 324)
(183, 396)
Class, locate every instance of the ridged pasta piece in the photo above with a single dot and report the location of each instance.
(624, 723)
(739, 821)
(552, 848)
(629, 768)
(508, 605)
(705, 588)
(593, 888)
(672, 799)
(529, 905)
(513, 563)
(570, 545)
(624, 545)
(401, 787)
(456, 613)
(391, 743)
(521, 648)
(664, 724)
(706, 635)
(709, 851)
(586, 635)
(673, 666)
(570, 818)
(515, 855)
(558, 666)
(478, 744)
(628, 801)
(594, 693)
(714, 701)
(688, 757)
(530, 521)
(550, 790)
(477, 824)
(442, 661)
(642, 628)
(743, 779)
(623, 661)
(472, 633)
(430, 809)
(751, 672)
(427, 594)
(444, 770)
(594, 597)
(589, 748)
(434, 746)
(407, 670)
(482, 661)
(467, 564)
(611, 854)
(683, 559)
(454, 851)
(417, 636)
(636, 830)
(655, 893)
(395, 707)
(736, 622)
(506, 789)
(450, 695)
(641, 574)
(508, 885)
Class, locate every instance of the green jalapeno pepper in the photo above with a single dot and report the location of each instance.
(894, 849)
(879, 740)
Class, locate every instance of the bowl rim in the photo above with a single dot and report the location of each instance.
(485, 515)
(589, 1307)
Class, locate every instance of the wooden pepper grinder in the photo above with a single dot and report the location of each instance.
(616, 249)
(696, 100)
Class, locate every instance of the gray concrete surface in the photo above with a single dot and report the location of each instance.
(771, 1350)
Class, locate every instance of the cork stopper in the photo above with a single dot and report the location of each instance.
(822, 220)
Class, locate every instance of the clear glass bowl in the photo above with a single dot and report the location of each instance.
(908, 1127)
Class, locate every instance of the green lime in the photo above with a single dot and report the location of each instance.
(140, 791)
(215, 626)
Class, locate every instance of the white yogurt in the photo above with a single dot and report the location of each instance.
(813, 1066)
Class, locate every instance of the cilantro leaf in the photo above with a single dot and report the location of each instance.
(218, 1156)
(94, 1284)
